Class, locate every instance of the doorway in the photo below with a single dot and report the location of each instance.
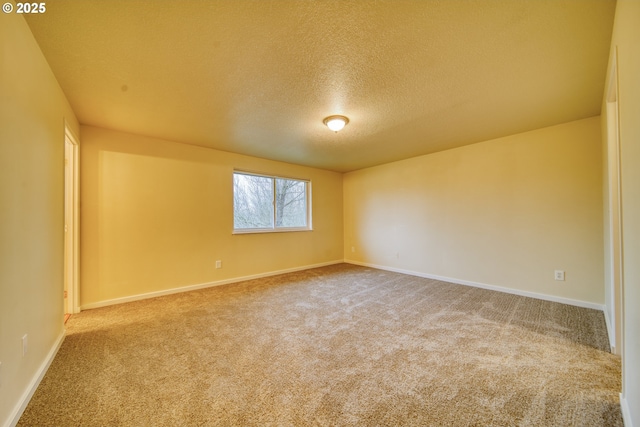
(71, 235)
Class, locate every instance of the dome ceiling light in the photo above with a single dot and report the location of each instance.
(336, 123)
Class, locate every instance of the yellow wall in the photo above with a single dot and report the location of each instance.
(626, 40)
(156, 215)
(505, 212)
(32, 115)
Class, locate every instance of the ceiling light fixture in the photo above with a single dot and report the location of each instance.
(336, 123)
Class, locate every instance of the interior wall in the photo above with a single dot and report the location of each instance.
(156, 215)
(504, 213)
(32, 116)
(625, 41)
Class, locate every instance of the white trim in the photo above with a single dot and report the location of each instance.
(35, 382)
(610, 331)
(614, 249)
(626, 413)
(544, 297)
(69, 130)
(202, 285)
(268, 230)
(75, 249)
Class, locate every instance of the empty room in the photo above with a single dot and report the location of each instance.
(320, 213)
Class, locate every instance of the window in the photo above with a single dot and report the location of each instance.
(270, 203)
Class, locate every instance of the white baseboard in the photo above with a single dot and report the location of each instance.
(201, 286)
(544, 297)
(35, 382)
(626, 413)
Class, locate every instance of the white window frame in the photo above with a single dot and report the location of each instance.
(273, 229)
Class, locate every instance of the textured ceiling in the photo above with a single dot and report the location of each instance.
(258, 77)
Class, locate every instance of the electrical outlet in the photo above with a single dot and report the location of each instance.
(559, 274)
(25, 342)
(218, 264)
(353, 248)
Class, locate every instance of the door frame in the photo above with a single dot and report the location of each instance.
(614, 245)
(71, 217)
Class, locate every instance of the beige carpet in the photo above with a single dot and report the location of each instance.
(334, 346)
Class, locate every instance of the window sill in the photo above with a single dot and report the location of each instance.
(270, 230)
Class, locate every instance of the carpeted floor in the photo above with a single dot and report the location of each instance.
(335, 346)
